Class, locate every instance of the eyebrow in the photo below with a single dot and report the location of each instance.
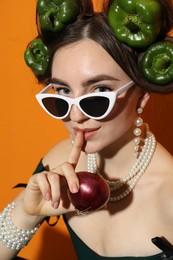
(98, 78)
(92, 80)
(58, 81)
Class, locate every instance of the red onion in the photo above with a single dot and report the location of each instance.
(93, 193)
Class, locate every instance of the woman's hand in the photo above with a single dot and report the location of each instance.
(46, 192)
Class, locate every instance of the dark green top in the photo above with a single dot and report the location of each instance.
(85, 253)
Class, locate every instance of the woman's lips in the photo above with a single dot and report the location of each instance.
(87, 132)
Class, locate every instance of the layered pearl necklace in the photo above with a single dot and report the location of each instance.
(136, 172)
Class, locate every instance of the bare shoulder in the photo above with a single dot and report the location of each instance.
(162, 165)
(163, 177)
(164, 161)
(58, 154)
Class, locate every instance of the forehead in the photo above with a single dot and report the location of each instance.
(84, 57)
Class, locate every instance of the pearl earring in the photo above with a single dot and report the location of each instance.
(137, 131)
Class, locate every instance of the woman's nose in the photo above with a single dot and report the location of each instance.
(76, 114)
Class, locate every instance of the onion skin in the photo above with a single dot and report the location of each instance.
(93, 193)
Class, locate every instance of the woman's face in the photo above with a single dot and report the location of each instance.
(85, 67)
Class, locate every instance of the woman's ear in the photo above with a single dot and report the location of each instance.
(143, 99)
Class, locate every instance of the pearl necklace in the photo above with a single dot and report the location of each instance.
(136, 172)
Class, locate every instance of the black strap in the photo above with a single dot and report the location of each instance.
(165, 246)
(19, 258)
(20, 185)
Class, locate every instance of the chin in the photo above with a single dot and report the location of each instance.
(90, 148)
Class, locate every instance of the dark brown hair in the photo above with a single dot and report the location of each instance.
(95, 26)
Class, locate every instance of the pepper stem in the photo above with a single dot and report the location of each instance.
(51, 11)
(133, 23)
(50, 14)
(38, 54)
(161, 63)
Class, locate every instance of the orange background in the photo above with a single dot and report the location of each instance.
(27, 132)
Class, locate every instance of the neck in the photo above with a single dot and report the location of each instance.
(116, 161)
(134, 174)
(118, 156)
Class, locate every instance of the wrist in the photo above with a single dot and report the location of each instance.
(12, 236)
(23, 220)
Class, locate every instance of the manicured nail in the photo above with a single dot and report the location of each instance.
(74, 188)
(55, 205)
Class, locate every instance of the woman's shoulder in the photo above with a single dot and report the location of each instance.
(162, 165)
(57, 154)
(160, 173)
(163, 174)
(164, 159)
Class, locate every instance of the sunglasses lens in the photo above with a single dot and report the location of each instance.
(55, 106)
(95, 106)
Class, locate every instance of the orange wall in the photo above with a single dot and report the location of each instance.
(27, 132)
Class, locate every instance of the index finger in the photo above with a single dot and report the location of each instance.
(76, 149)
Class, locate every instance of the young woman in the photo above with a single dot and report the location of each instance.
(87, 60)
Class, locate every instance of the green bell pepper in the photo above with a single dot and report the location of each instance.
(157, 63)
(55, 14)
(135, 22)
(36, 56)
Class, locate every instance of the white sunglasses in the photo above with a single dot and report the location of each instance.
(94, 105)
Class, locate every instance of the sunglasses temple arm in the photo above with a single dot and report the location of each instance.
(126, 87)
(46, 89)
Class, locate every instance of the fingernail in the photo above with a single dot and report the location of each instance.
(55, 205)
(74, 188)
